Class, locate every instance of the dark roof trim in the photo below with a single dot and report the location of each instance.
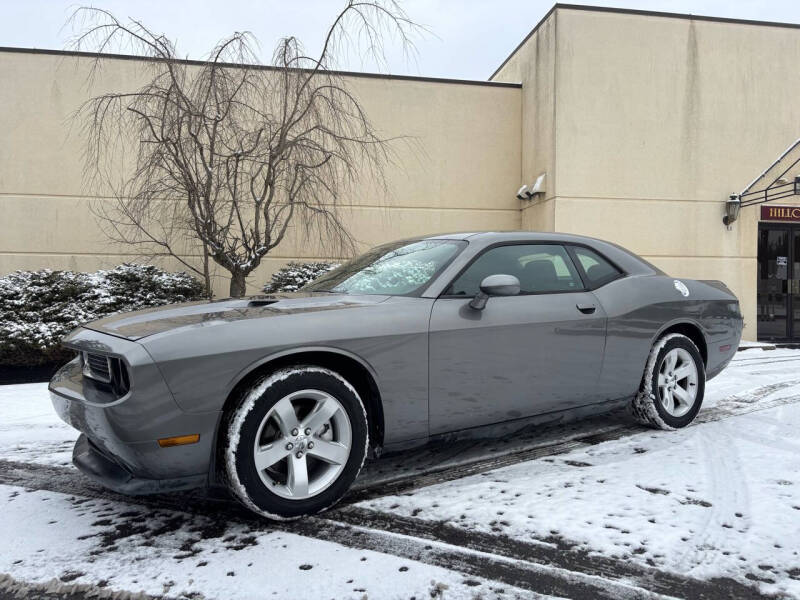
(646, 13)
(259, 67)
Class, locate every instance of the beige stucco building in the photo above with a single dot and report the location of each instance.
(641, 123)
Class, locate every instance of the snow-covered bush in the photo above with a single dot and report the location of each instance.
(38, 308)
(296, 274)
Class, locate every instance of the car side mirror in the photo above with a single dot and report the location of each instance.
(495, 285)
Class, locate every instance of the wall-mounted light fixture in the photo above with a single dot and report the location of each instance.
(528, 192)
(537, 187)
(732, 207)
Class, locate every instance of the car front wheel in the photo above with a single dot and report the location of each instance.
(295, 442)
(673, 385)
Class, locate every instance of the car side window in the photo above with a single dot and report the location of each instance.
(540, 268)
(598, 270)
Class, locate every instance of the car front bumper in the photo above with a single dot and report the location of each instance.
(93, 463)
(119, 447)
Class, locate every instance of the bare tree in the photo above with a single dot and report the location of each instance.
(222, 158)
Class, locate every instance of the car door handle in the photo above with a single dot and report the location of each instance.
(586, 309)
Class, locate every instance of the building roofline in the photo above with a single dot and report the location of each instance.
(81, 54)
(526, 38)
(646, 13)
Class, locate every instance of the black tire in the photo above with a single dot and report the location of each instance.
(646, 406)
(244, 423)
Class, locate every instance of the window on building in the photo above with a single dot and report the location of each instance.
(598, 270)
(539, 267)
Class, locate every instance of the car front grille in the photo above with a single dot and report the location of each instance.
(98, 367)
(108, 370)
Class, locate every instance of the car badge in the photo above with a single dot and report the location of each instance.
(681, 287)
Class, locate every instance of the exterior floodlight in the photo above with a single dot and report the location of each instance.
(538, 186)
(522, 193)
(732, 207)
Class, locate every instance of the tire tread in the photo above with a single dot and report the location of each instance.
(643, 406)
(236, 419)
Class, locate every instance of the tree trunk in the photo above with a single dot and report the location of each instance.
(207, 272)
(238, 284)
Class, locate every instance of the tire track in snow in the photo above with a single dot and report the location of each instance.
(557, 552)
(729, 496)
(548, 579)
(776, 427)
(752, 400)
(756, 360)
(454, 548)
(741, 404)
(551, 567)
(774, 444)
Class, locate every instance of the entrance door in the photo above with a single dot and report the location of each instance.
(778, 282)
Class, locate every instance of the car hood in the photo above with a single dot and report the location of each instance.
(141, 323)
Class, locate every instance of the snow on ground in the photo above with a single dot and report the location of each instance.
(718, 499)
(117, 546)
(30, 430)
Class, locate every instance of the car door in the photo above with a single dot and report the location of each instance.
(534, 353)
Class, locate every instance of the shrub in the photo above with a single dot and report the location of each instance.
(38, 308)
(296, 274)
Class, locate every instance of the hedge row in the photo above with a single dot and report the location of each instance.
(38, 308)
(296, 274)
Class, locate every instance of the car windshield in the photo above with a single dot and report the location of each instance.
(396, 269)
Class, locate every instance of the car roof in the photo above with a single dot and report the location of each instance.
(490, 237)
(622, 257)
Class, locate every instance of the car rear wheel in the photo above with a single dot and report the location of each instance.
(673, 385)
(295, 442)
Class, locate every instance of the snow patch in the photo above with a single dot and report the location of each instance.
(50, 537)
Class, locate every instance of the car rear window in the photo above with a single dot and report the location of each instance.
(598, 270)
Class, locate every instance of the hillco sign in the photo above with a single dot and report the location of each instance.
(780, 213)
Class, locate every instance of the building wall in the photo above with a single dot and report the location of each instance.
(657, 120)
(457, 169)
(643, 124)
(534, 64)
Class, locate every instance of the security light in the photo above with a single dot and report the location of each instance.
(538, 186)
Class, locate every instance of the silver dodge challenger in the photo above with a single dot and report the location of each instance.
(281, 398)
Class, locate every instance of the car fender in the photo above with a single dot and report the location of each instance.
(213, 476)
(244, 372)
(683, 320)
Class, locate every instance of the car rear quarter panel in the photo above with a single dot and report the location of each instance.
(641, 308)
(202, 365)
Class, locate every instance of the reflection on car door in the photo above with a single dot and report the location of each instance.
(519, 356)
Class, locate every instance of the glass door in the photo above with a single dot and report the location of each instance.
(794, 285)
(774, 281)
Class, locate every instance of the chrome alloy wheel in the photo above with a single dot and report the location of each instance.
(677, 382)
(303, 444)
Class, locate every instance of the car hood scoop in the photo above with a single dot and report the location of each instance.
(142, 323)
(261, 302)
